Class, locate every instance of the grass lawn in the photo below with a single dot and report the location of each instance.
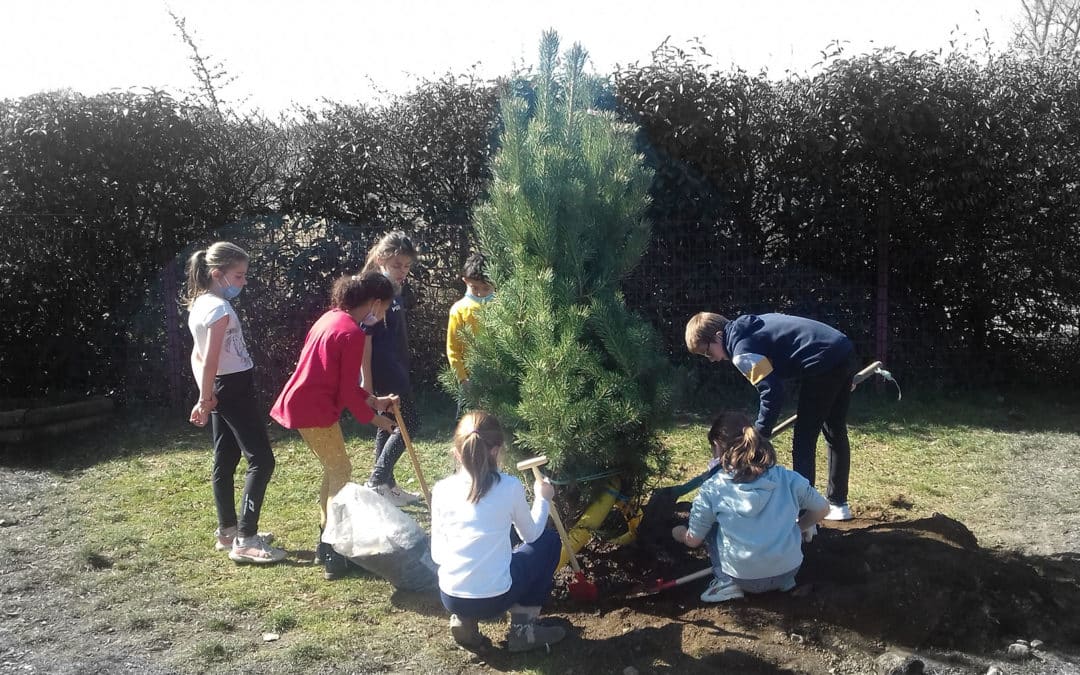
(141, 508)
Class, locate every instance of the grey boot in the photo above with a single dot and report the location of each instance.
(526, 634)
(466, 632)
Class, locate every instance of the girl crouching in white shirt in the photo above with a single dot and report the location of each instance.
(471, 514)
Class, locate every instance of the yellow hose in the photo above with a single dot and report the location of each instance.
(591, 519)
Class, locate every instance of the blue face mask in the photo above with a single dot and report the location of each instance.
(228, 291)
(370, 319)
(476, 298)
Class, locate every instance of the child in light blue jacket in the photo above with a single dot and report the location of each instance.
(748, 514)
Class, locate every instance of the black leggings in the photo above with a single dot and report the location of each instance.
(388, 447)
(238, 427)
(823, 408)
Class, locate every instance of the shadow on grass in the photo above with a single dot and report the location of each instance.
(649, 649)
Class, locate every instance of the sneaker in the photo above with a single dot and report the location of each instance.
(466, 632)
(720, 590)
(335, 565)
(396, 495)
(525, 636)
(809, 533)
(225, 538)
(839, 512)
(255, 550)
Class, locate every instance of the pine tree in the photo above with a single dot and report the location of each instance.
(559, 359)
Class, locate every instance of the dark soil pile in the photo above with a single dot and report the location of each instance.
(923, 584)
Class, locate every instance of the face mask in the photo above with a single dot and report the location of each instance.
(476, 298)
(228, 291)
(370, 319)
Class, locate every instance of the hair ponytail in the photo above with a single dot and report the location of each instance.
(219, 255)
(476, 439)
(743, 452)
(198, 277)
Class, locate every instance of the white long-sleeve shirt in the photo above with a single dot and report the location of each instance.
(471, 542)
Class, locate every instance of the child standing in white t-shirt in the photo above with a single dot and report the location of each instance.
(471, 515)
(223, 371)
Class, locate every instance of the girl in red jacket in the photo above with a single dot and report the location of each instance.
(325, 383)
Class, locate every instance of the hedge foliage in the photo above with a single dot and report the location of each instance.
(949, 183)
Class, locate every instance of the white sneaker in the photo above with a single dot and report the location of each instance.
(255, 550)
(225, 538)
(839, 512)
(721, 590)
(396, 495)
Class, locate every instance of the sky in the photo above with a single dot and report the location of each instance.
(288, 51)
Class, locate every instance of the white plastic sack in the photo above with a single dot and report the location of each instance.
(360, 523)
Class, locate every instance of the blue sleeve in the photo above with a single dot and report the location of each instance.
(758, 369)
(702, 517)
(771, 393)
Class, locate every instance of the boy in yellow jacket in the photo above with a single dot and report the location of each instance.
(478, 291)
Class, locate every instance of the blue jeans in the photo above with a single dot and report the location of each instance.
(532, 571)
(780, 582)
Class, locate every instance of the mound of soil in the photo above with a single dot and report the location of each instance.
(922, 584)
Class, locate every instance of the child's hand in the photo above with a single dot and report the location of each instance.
(678, 533)
(384, 403)
(544, 488)
(383, 423)
(200, 414)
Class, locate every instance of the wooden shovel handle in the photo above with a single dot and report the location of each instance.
(857, 379)
(412, 454)
(559, 526)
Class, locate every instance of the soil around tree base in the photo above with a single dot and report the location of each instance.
(921, 586)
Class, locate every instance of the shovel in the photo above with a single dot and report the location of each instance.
(664, 584)
(661, 504)
(581, 589)
(412, 454)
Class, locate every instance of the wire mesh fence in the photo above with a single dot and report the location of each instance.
(87, 310)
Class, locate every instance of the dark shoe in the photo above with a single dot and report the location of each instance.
(320, 552)
(336, 565)
(525, 636)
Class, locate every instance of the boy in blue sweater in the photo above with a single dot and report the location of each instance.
(771, 348)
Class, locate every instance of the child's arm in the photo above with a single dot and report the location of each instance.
(200, 414)
(455, 352)
(531, 521)
(354, 397)
(701, 521)
(813, 505)
(366, 382)
(759, 371)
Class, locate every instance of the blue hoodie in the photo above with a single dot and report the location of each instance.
(757, 533)
(770, 348)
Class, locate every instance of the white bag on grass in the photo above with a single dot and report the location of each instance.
(374, 534)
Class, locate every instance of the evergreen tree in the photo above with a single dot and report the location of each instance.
(559, 359)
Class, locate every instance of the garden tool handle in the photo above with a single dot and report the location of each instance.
(857, 379)
(412, 454)
(554, 513)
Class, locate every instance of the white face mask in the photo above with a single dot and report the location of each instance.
(370, 319)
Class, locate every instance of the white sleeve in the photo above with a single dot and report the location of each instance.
(213, 313)
(529, 522)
